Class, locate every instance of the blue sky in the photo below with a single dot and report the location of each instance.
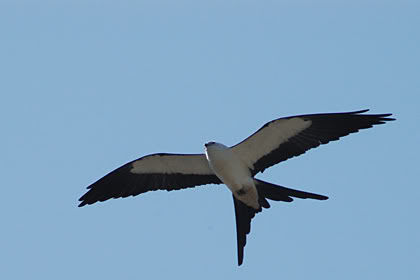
(87, 86)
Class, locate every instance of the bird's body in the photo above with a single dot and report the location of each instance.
(232, 172)
(235, 166)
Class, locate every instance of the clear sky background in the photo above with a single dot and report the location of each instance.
(87, 86)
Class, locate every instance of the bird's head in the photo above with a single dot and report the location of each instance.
(214, 145)
(208, 144)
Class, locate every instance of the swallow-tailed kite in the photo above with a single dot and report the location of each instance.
(235, 166)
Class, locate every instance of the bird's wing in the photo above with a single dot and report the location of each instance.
(288, 137)
(153, 172)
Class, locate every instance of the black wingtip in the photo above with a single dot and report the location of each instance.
(82, 204)
(360, 111)
(381, 117)
(84, 199)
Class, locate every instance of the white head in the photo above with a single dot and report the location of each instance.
(214, 145)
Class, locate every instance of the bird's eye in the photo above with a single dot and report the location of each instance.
(209, 143)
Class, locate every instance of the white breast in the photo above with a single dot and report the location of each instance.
(228, 167)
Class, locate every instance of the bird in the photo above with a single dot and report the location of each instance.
(235, 166)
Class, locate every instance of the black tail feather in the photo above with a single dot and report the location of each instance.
(244, 213)
(279, 193)
(263, 202)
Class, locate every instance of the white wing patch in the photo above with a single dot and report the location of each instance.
(268, 139)
(167, 164)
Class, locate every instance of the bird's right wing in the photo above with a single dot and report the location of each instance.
(153, 172)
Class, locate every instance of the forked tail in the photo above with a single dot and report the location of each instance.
(279, 193)
(245, 213)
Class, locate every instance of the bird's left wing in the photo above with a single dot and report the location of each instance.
(153, 172)
(288, 137)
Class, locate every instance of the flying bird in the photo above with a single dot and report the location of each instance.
(235, 166)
